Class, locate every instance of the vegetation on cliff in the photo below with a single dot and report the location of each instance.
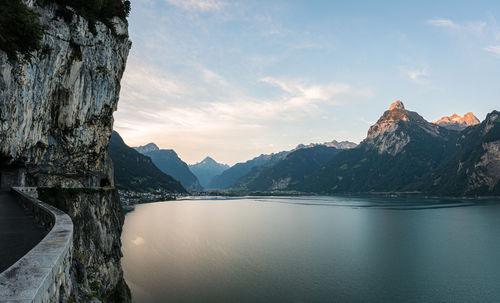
(92, 10)
(21, 32)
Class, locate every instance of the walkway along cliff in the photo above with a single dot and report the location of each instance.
(55, 124)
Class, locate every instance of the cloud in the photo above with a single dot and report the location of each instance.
(443, 23)
(417, 75)
(147, 80)
(138, 241)
(152, 100)
(495, 49)
(199, 5)
(475, 28)
(309, 93)
(475, 33)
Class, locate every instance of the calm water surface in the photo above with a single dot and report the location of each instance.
(317, 249)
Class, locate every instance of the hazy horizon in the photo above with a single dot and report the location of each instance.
(233, 80)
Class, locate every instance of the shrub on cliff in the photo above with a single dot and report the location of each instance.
(20, 31)
(92, 10)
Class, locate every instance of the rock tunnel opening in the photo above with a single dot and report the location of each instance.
(12, 175)
(105, 182)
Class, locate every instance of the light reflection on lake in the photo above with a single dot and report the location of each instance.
(313, 249)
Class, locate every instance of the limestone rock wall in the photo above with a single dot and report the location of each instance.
(56, 118)
(56, 112)
(97, 271)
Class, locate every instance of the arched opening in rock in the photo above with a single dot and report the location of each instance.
(105, 182)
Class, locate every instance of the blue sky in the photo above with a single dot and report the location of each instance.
(235, 79)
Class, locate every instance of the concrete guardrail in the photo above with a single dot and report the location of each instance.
(42, 275)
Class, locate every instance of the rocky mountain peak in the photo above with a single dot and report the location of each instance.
(397, 105)
(388, 135)
(396, 113)
(208, 160)
(147, 148)
(456, 122)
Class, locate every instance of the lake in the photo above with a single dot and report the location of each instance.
(313, 249)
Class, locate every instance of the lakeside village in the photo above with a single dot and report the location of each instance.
(130, 198)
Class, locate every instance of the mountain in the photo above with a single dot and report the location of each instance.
(334, 143)
(207, 169)
(399, 149)
(231, 175)
(135, 171)
(455, 122)
(147, 148)
(474, 169)
(239, 175)
(284, 174)
(169, 162)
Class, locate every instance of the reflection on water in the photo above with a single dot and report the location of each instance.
(299, 250)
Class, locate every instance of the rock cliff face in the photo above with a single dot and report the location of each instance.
(56, 112)
(388, 137)
(474, 170)
(55, 123)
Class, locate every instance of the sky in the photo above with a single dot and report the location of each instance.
(236, 79)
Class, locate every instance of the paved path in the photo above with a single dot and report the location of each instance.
(18, 231)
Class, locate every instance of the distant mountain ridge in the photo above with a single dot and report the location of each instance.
(475, 168)
(404, 153)
(286, 173)
(334, 143)
(207, 169)
(399, 149)
(136, 172)
(456, 122)
(169, 162)
(147, 148)
(236, 176)
(231, 175)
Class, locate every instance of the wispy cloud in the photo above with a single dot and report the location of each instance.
(474, 33)
(495, 49)
(298, 90)
(199, 5)
(474, 27)
(417, 75)
(149, 93)
(443, 23)
(154, 102)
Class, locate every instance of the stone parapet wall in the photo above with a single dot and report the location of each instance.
(43, 274)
